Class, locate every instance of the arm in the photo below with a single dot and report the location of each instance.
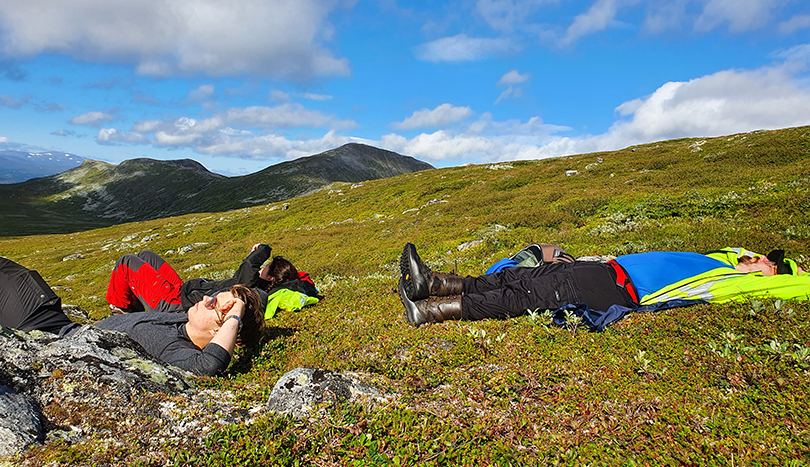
(248, 272)
(227, 333)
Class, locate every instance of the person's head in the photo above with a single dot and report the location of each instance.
(758, 263)
(278, 271)
(205, 317)
(252, 317)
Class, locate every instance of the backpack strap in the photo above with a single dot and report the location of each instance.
(623, 280)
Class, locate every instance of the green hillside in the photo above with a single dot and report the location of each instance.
(98, 194)
(704, 385)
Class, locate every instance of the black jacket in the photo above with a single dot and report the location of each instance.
(192, 291)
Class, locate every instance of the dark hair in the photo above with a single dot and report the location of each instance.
(278, 271)
(252, 317)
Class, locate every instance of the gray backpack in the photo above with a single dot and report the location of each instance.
(535, 255)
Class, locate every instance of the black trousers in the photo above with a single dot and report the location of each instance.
(27, 302)
(516, 291)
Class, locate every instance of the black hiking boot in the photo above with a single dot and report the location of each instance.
(421, 282)
(430, 310)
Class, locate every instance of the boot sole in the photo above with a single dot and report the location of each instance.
(409, 270)
(412, 315)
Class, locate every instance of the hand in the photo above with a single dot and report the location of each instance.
(234, 306)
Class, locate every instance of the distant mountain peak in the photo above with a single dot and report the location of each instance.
(97, 193)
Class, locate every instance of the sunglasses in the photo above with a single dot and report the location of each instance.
(211, 304)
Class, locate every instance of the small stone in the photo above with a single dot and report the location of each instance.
(470, 244)
(73, 256)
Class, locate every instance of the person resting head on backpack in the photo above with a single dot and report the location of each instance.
(287, 287)
(278, 271)
(652, 279)
(200, 339)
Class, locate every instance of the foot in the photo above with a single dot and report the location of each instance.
(412, 314)
(415, 274)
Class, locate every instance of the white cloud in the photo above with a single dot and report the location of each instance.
(461, 48)
(441, 116)
(726, 102)
(111, 136)
(234, 128)
(741, 15)
(200, 94)
(316, 97)
(289, 115)
(3, 140)
(506, 15)
(279, 96)
(217, 38)
(721, 103)
(796, 23)
(511, 79)
(8, 101)
(598, 17)
(94, 119)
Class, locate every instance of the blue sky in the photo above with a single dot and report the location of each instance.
(240, 85)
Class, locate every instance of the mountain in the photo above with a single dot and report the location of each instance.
(98, 194)
(18, 166)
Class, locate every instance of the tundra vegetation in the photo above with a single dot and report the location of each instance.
(707, 384)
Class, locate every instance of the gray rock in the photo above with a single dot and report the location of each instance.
(302, 391)
(186, 248)
(73, 256)
(471, 244)
(101, 385)
(92, 368)
(76, 313)
(20, 426)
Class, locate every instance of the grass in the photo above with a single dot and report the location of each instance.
(708, 385)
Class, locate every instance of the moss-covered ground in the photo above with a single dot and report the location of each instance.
(704, 385)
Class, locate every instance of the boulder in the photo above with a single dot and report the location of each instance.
(20, 426)
(94, 381)
(302, 391)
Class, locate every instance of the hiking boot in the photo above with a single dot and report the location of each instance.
(421, 282)
(430, 310)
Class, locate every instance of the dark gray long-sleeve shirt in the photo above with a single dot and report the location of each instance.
(163, 336)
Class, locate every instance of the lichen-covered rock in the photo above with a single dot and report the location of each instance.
(30, 358)
(102, 384)
(20, 426)
(300, 391)
(98, 386)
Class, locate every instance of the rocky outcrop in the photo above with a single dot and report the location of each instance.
(97, 384)
(20, 426)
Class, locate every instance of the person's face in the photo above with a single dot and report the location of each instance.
(761, 264)
(207, 314)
